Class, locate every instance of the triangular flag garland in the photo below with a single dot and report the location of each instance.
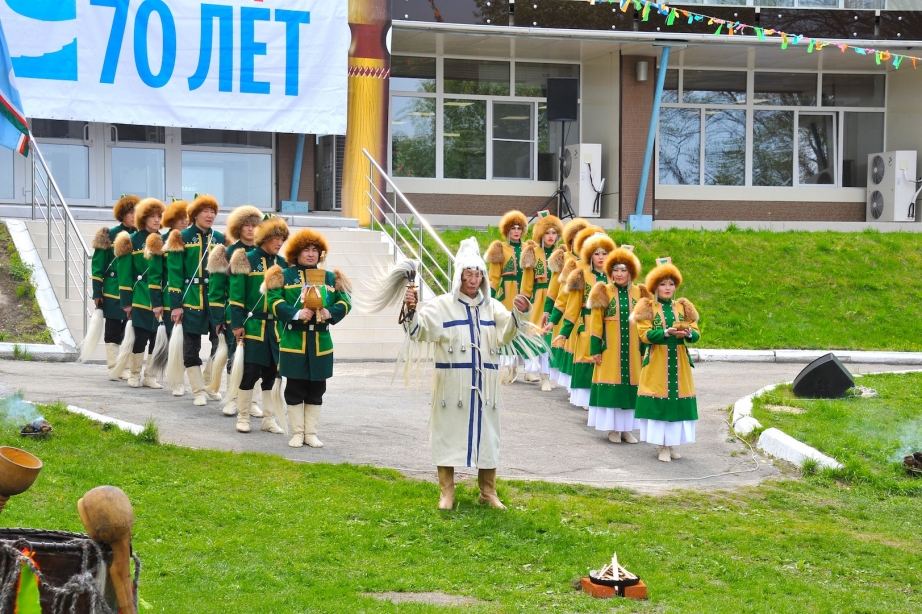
(735, 27)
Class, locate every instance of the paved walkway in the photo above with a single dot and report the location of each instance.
(369, 421)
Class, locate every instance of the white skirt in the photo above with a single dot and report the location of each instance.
(564, 380)
(579, 396)
(511, 361)
(664, 433)
(538, 364)
(553, 374)
(611, 419)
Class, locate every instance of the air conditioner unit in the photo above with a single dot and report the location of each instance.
(332, 153)
(582, 178)
(891, 191)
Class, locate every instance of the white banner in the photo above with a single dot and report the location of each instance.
(269, 65)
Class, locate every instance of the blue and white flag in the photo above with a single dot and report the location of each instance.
(14, 130)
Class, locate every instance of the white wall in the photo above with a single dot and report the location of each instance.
(601, 101)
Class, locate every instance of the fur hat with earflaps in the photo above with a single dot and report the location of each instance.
(594, 242)
(510, 219)
(580, 238)
(202, 202)
(663, 270)
(146, 208)
(543, 224)
(625, 257)
(573, 228)
(124, 206)
(300, 240)
(240, 217)
(175, 211)
(271, 226)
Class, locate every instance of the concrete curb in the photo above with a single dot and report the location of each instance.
(92, 415)
(804, 356)
(776, 442)
(64, 348)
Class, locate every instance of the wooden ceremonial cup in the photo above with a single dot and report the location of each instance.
(18, 470)
(107, 515)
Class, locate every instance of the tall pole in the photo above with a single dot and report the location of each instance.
(639, 221)
(369, 93)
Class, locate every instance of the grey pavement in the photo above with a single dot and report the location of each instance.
(369, 420)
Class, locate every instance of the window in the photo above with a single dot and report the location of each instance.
(410, 74)
(724, 147)
(138, 171)
(465, 139)
(863, 135)
(680, 146)
(784, 89)
(476, 77)
(713, 86)
(773, 148)
(413, 136)
(66, 153)
(853, 90)
(531, 79)
(816, 162)
(513, 140)
(226, 138)
(210, 165)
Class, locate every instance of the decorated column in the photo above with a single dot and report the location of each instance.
(369, 90)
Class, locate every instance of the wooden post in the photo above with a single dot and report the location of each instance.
(369, 96)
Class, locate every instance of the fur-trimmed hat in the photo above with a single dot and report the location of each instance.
(468, 257)
(176, 210)
(240, 217)
(543, 224)
(510, 219)
(625, 257)
(572, 229)
(124, 206)
(300, 240)
(202, 201)
(594, 242)
(660, 273)
(577, 244)
(272, 226)
(145, 209)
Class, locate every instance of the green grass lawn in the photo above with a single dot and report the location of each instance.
(764, 290)
(228, 533)
(869, 436)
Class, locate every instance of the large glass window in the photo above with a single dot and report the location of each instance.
(714, 86)
(58, 129)
(513, 140)
(671, 86)
(130, 133)
(226, 138)
(863, 134)
(816, 149)
(412, 74)
(476, 77)
(724, 147)
(773, 148)
(70, 166)
(413, 136)
(138, 171)
(465, 139)
(531, 79)
(7, 189)
(680, 146)
(853, 90)
(784, 89)
(234, 179)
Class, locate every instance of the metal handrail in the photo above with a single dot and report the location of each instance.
(48, 200)
(431, 268)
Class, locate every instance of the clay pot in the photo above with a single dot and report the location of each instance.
(18, 470)
(107, 515)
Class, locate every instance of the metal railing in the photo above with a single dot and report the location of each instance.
(403, 233)
(64, 239)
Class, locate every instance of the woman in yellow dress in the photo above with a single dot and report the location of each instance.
(615, 347)
(667, 409)
(545, 234)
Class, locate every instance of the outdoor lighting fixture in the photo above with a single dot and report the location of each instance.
(641, 68)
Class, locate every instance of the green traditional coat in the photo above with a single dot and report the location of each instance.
(249, 305)
(140, 275)
(104, 272)
(306, 347)
(219, 285)
(187, 255)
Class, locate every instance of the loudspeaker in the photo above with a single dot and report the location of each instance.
(824, 378)
(562, 96)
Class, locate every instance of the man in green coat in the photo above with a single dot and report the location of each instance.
(241, 229)
(105, 279)
(140, 279)
(253, 324)
(306, 348)
(187, 274)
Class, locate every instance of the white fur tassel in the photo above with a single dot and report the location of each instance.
(276, 405)
(124, 350)
(217, 363)
(207, 369)
(236, 375)
(175, 368)
(93, 335)
(156, 365)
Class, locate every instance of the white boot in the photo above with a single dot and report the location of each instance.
(135, 362)
(255, 411)
(244, 398)
(230, 407)
(198, 385)
(674, 453)
(628, 437)
(531, 378)
(296, 419)
(311, 419)
(269, 423)
(206, 370)
(111, 357)
(149, 381)
(614, 436)
(546, 385)
(664, 454)
(179, 390)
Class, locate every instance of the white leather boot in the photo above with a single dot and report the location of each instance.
(296, 419)
(111, 357)
(628, 437)
(255, 411)
(198, 385)
(269, 424)
(244, 398)
(673, 453)
(546, 385)
(230, 407)
(149, 381)
(179, 390)
(135, 362)
(311, 419)
(664, 454)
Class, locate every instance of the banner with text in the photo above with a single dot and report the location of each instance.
(269, 65)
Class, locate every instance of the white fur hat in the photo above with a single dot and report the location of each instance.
(468, 257)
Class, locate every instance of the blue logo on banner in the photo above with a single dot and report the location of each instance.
(60, 64)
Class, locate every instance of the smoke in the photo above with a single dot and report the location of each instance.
(910, 441)
(14, 409)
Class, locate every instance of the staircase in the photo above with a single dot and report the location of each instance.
(358, 253)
